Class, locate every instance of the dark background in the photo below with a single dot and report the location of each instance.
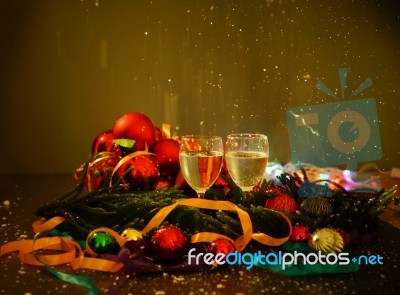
(70, 68)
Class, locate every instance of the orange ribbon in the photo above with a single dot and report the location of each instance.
(46, 250)
(166, 130)
(43, 225)
(244, 218)
(26, 249)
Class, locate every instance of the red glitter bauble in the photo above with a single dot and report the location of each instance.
(300, 233)
(140, 172)
(167, 155)
(282, 202)
(103, 142)
(224, 246)
(163, 185)
(99, 170)
(136, 126)
(168, 243)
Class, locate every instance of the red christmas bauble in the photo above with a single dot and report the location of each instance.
(282, 202)
(221, 245)
(167, 155)
(140, 172)
(99, 170)
(168, 243)
(136, 126)
(300, 233)
(163, 185)
(103, 142)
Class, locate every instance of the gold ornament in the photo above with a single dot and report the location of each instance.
(131, 234)
(326, 240)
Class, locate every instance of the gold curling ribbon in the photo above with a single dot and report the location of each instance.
(166, 130)
(25, 249)
(42, 225)
(244, 218)
(73, 253)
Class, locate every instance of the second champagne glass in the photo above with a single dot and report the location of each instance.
(200, 157)
(246, 158)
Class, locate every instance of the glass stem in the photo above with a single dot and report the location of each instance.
(200, 195)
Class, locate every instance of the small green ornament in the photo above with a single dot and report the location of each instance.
(101, 242)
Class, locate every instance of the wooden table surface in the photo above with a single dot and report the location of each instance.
(27, 192)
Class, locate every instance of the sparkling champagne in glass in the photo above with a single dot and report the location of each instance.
(200, 157)
(246, 157)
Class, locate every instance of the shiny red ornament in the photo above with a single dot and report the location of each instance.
(282, 202)
(99, 171)
(136, 126)
(163, 185)
(140, 172)
(300, 233)
(167, 155)
(103, 142)
(221, 245)
(168, 243)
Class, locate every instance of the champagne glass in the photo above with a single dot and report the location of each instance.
(246, 157)
(200, 158)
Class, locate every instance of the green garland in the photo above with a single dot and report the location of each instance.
(117, 208)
